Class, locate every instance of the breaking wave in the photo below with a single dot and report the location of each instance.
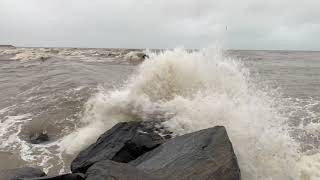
(187, 91)
(118, 56)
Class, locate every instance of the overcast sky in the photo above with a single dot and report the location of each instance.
(251, 24)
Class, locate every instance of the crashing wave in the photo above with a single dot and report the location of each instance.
(135, 56)
(89, 55)
(25, 54)
(31, 55)
(188, 91)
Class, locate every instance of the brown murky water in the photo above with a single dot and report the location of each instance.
(47, 89)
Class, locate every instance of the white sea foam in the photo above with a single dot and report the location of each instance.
(31, 55)
(119, 56)
(313, 128)
(196, 90)
(6, 109)
(32, 154)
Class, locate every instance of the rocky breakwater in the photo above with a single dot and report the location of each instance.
(139, 151)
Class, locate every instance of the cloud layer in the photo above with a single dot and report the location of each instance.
(251, 24)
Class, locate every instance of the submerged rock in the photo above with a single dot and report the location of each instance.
(18, 173)
(205, 154)
(110, 170)
(38, 138)
(123, 143)
(76, 176)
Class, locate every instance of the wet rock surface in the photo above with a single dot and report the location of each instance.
(76, 176)
(110, 170)
(123, 143)
(18, 173)
(205, 154)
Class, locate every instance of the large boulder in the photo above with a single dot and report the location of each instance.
(110, 170)
(18, 173)
(205, 154)
(123, 143)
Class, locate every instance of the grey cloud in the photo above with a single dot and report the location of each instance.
(252, 24)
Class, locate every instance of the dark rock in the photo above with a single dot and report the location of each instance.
(123, 143)
(76, 176)
(6, 46)
(17, 173)
(206, 154)
(110, 170)
(44, 58)
(38, 138)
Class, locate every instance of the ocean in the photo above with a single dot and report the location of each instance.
(269, 102)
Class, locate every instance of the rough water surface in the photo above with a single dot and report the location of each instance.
(268, 101)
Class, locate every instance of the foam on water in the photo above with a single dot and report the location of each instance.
(38, 155)
(118, 56)
(188, 91)
(313, 128)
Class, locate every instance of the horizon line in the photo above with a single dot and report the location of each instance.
(83, 47)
